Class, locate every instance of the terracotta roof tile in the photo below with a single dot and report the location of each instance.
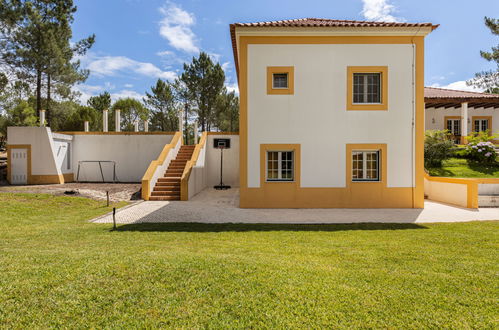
(318, 22)
(322, 22)
(443, 93)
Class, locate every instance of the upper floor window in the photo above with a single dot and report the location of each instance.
(280, 80)
(367, 88)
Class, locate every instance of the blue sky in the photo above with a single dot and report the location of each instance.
(139, 41)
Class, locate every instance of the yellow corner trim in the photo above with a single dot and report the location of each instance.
(290, 70)
(383, 70)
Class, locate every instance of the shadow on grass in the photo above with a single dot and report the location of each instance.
(439, 171)
(484, 168)
(241, 227)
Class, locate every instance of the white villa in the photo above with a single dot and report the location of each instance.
(332, 115)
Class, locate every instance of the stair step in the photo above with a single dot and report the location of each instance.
(165, 193)
(167, 185)
(164, 198)
(169, 179)
(167, 188)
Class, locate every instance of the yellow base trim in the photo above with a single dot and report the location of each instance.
(369, 196)
(115, 133)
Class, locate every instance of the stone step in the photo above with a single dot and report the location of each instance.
(170, 185)
(165, 193)
(164, 198)
(167, 188)
(169, 179)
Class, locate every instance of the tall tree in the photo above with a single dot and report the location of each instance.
(39, 45)
(204, 81)
(489, 79)
(227, 111)
(130, 111)
(100, 102)
(162, 107)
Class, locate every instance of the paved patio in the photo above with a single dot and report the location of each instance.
(213, 206)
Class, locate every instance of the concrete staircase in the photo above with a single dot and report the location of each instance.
(168, 187)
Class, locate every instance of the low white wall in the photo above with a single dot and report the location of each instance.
(197, 179)
(63, 152)
(42, 148)
(445, 192)
(230, 161)
(488, 189)
(132, 154)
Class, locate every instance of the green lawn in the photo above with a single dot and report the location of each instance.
(58, 270)
(462, 168)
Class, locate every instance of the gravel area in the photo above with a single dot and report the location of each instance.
(213, 206)
(117, 191)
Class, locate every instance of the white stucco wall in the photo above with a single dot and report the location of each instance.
(42, 148)
(63, 152)
(230, 161)
(132, 154)
(434, 118)
(316, 116)
(445, 192)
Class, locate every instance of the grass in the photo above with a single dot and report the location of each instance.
(462, 168)
(58, 270)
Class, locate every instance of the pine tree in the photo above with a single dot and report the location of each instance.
(204, 81)
(489, 79)
(130, 111)
(162, 107)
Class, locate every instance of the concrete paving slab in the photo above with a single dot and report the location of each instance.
(213, 206)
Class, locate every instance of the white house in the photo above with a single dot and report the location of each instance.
(461, 112)
(331, 113)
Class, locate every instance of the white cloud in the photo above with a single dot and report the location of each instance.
(126, 93)
(232, 87)
(176, 28)
(87, 91)
(379, 10)
(458, 85)
(111, 65)
(128, 85)
(226, 66)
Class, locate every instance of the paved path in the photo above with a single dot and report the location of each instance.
(212, 206)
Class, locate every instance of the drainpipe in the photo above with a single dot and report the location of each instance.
(117, 121)
(105, 120)
(42, 118)
(86, 126)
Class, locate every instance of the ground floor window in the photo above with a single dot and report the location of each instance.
(365, 165)
(280, 165)
(454, 127)
(480, 125)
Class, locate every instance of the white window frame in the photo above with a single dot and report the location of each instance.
(287, 80)
(480, 124)
(279, 166)
(364, 165)
(364, 92)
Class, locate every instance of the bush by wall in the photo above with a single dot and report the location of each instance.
(438, 147)
(481, 151)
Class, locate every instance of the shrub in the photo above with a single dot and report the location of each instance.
(481, 151)
(483, 136)
(438, 147)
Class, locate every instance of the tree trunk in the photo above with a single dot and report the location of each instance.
(49, 99)
(38, 92)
